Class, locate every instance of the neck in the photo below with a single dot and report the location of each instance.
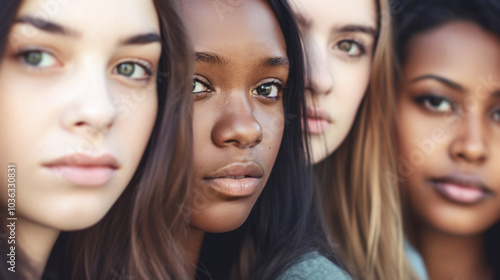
(193, 248)
(36, 242)
(448, 256)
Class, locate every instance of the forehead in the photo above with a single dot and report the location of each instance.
(459, 49)
(247, 28)
(334, 13)
(94, 17)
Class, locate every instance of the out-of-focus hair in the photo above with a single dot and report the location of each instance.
(359, 198)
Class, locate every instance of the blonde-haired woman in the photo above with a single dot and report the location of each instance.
(350, 111)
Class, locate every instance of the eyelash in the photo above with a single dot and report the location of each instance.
(21, 56)
(206, 84)
(426, 102)
(273, 82)
(203, 82)
(144, 65)
(362, 48)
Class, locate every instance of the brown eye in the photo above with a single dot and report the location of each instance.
(268, 90)
(199, 87)
(351, 48)
(496, 115)
(345, 46)
(436, 103)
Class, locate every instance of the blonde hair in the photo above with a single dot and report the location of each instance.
(360, 204)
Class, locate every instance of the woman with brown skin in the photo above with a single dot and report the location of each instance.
(79, 103)
(448, 125)
(250, 174)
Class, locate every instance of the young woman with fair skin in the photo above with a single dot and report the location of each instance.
(349, 108)
(249, 168)
(78, 105)
(449, 135)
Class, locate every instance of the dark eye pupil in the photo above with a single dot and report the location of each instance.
(33, 58)
(126, 69)
(345, 46)
(265, 89)
(435, 101)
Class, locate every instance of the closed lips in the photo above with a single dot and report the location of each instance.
(460, 188)
(236, 180)
(85, 170)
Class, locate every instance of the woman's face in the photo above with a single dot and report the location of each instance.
(77, 105)
(240, 72)
(338, 39)
(449, 128)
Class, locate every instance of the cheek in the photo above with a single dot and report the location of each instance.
(134, 124)
(273, 125)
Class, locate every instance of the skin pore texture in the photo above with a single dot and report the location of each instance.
(449, 138)
(66, 115)
(339, 38)
(240, 71)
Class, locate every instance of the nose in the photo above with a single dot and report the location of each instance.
(319, 78)
(91, 107)
(470, 144)
(237, 126)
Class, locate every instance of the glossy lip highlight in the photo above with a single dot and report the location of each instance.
(85, 170)
(462, 188)
(318, 120)
(236, 179)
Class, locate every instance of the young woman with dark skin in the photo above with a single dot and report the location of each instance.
(250, 172)
(448, 125)
(84, 158)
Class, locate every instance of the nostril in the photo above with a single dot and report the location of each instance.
(80, 124)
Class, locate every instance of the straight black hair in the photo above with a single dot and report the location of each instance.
(284, 223)
(423, 15)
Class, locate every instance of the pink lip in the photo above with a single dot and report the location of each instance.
(462, 188)
(85, 170)
(318, 120)
(237, 179)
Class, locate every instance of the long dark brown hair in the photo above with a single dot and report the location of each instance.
(139, 236)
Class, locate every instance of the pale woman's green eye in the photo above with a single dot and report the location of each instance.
(132, 70)
(39, 59)
(267, 90)
(199, 87)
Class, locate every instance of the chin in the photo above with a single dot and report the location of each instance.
(456, 221)
(219, 219)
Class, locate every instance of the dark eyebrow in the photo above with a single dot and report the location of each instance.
(358, 28)
(210, 58)
(442, 80)
(274, 61)
(302, 21)
(47, 26)
(142, 39)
